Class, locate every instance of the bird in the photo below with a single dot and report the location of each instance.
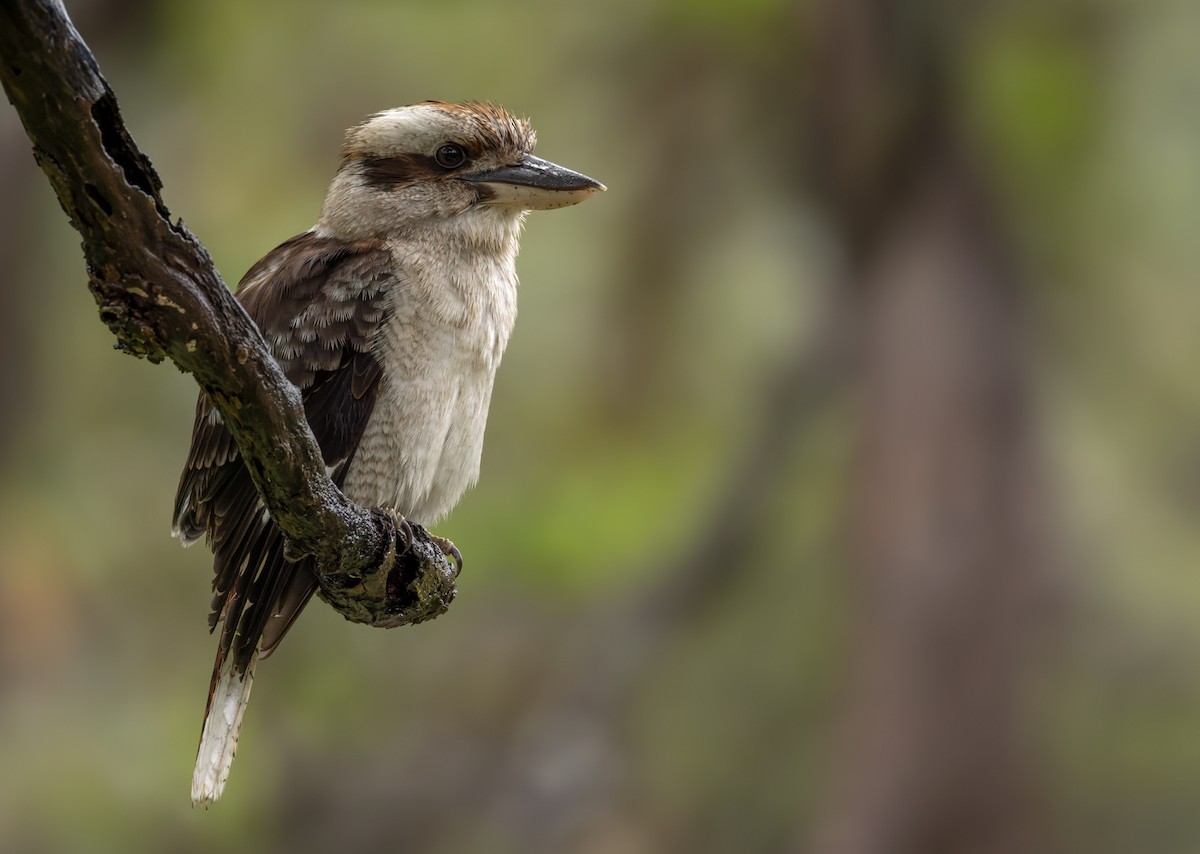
(390, 315)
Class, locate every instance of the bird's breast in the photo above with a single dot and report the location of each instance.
(440, 346)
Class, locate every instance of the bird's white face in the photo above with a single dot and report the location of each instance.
(434, 161)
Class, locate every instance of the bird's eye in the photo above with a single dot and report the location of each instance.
(450, 156)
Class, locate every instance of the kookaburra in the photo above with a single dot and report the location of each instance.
(390, 315)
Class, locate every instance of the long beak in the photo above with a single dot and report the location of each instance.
(535, 184)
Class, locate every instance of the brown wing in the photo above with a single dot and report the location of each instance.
(318, 302)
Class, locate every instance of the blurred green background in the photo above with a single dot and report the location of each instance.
(779, 544)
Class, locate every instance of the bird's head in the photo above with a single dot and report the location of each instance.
(434, 161)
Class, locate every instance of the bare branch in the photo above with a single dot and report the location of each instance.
(159, 293)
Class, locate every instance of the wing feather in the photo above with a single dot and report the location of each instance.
(319, 302)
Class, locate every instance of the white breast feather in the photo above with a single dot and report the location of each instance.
(451, 312)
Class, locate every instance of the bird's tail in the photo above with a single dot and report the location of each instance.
(227, 699)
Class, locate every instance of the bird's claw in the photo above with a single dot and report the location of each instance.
(403, 540)
(449, 550)
(406, 536)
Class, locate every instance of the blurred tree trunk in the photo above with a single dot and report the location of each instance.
(668, 216)
(946, 544)
(946, 527)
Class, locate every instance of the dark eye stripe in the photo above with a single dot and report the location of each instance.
(399, 169)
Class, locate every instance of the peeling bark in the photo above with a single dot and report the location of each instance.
(951, 535)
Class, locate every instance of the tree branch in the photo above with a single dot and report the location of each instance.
(160, 294)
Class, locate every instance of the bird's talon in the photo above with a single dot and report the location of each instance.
(449, 550)
(404, 531)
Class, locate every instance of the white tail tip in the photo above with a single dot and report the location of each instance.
(218, 743)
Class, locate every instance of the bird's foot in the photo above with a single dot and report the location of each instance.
(403, 539)
(449, 550)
